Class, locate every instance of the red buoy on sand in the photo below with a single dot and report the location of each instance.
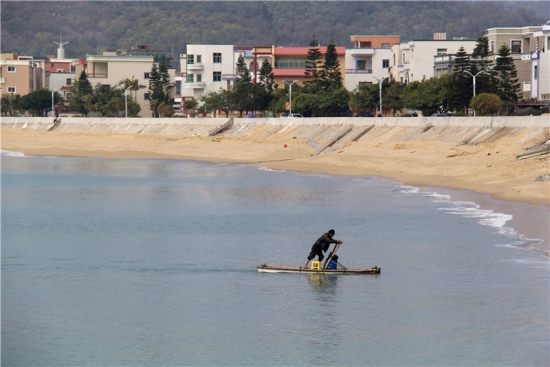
(285, 145)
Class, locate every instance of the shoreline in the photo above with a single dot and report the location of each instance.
(425, 165)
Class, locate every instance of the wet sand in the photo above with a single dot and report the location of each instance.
(487, 174)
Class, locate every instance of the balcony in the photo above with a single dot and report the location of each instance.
(196, 85)
(97, 75)
(197, 66)
(2, 80)
(358, 71)
(361, 51)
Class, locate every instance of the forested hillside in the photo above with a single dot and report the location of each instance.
(30, 27)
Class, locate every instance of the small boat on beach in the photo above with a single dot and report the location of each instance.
(298, 269)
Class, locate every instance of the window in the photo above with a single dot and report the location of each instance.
(199, 59)
(190, 78)
(515, 47)
(535, 72)
(361, 64)
(492, 47)
(73, 69)
(386, 45)
(404, 60)
(190, 59)
(290, 63)
(217, 76)
(68, 96)
(69, 81)
(11, 89)
(146, 96)
(145, 75)
(199, 78)
(386, 63)
(11, 69)
(217, 58)
(442, 51)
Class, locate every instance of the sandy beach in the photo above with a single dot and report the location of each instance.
(487, 172)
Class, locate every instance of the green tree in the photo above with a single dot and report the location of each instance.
(266, 77)
(486, 104)
(330, 74)
(313, 62)
(480, 62)
(189, 106)
(391, 98)
(242, 91)
(107, 101)
(461, 88)
(506, 80)
(364, 99)
(133, 84)
(40, 101)
(429, 96)
(81, 90)
(216, 101)
(159, 87)
(10, 104)
(165, 110)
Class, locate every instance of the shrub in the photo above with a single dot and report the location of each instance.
(486, 104)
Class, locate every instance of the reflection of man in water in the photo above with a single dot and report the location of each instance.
(320, 246)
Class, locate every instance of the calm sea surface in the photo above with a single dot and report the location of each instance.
(152, 263)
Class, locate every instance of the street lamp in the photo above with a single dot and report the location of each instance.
(290, 82)
(474, 82)
(380, 82)
(126, 101)
(53, 110)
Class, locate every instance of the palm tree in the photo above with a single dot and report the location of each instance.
(10, 103)
(133, 84)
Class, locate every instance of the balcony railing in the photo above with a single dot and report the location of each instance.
(97, 75)
(197, 66)
(195, 85)
(358, 71)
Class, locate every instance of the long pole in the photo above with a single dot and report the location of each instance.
(380, 83)
(474, 82)
(290, 87)
(53, 110)
(126, 102)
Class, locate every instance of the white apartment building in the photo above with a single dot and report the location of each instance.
(539, 60)
(370, 60)
(209, 68)
(204, 69)
(414, 60)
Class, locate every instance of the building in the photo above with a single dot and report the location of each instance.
(521, 42)
(539, 60)
(289, 63)
(111, 70)
(370, 59)
(19, 74)
(416, 60)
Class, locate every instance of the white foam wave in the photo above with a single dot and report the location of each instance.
(485, 217)
(270, 170)
(9, 153)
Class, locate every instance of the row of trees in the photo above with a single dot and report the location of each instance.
(324, 95)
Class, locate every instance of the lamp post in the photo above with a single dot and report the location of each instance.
(290, 82)
(474, 82)
(53, 107)
(126, 101)
(380, 83)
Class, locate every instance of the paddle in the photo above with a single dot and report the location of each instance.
(327, 261)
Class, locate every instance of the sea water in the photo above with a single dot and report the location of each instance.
(152, 263)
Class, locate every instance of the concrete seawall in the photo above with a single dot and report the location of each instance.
(323, 134)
